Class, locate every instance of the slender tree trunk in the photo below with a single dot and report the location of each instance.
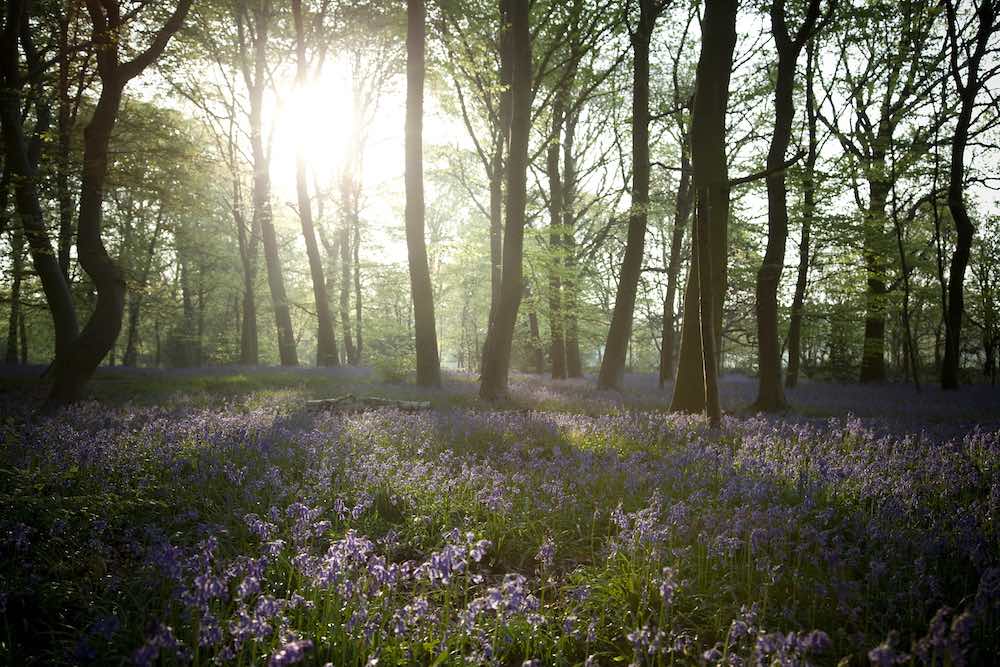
(17, 271)
(249, 346)
(537, 354)
(496, 225)
(356, 266)
(682, 209)
(20, 168)
(557, 345)
(808, 211)
(771, 394)
(135, 298)
(344, 244)
(188, 335)
(574, 365)
(65, 129)
(428, 362)
(968, 89)
(692, 392)
(23, 327)
(496, 355)
(326, 342)
(613, 364)
(262, 213)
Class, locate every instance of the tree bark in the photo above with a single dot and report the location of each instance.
(968, 88)
(711, 183)
(876, 293)
(574, 365)
(326, 342)
(74, 367)
(20, 166)
(613, 364)
(808, 211)
(17, 271)
(344, 245)
(496, 350)
(135, 297)
(770, 393)
(557, 344)
(682, 209)
(425, 333)
(262, 214)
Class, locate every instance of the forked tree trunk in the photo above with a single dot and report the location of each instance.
(425, 333)
(20, 167)
(74, 367)
(711, 182)
(497, 349)
(615, 348)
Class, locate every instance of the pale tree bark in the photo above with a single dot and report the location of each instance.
(497, 349)
(425, 334)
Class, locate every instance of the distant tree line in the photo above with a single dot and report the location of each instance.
(800, 188)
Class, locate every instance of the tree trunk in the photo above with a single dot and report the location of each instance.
(682, 209)
(344, 245)
(968, 89)
(537, 354)
(73, 369)
(356, 266)
(771, 394)
(574, 365)
(428, 362)
(17, 271)
(711, 183)
(64, 128)
(496, 350)
(876, 293)
(613, 364)
(808, 211)
(135, 298)
(20, 167)
(557, 346)
(249, 347)
(326, 342)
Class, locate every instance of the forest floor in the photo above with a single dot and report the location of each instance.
(215, 516)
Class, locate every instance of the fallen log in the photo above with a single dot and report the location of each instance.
(352, 403)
